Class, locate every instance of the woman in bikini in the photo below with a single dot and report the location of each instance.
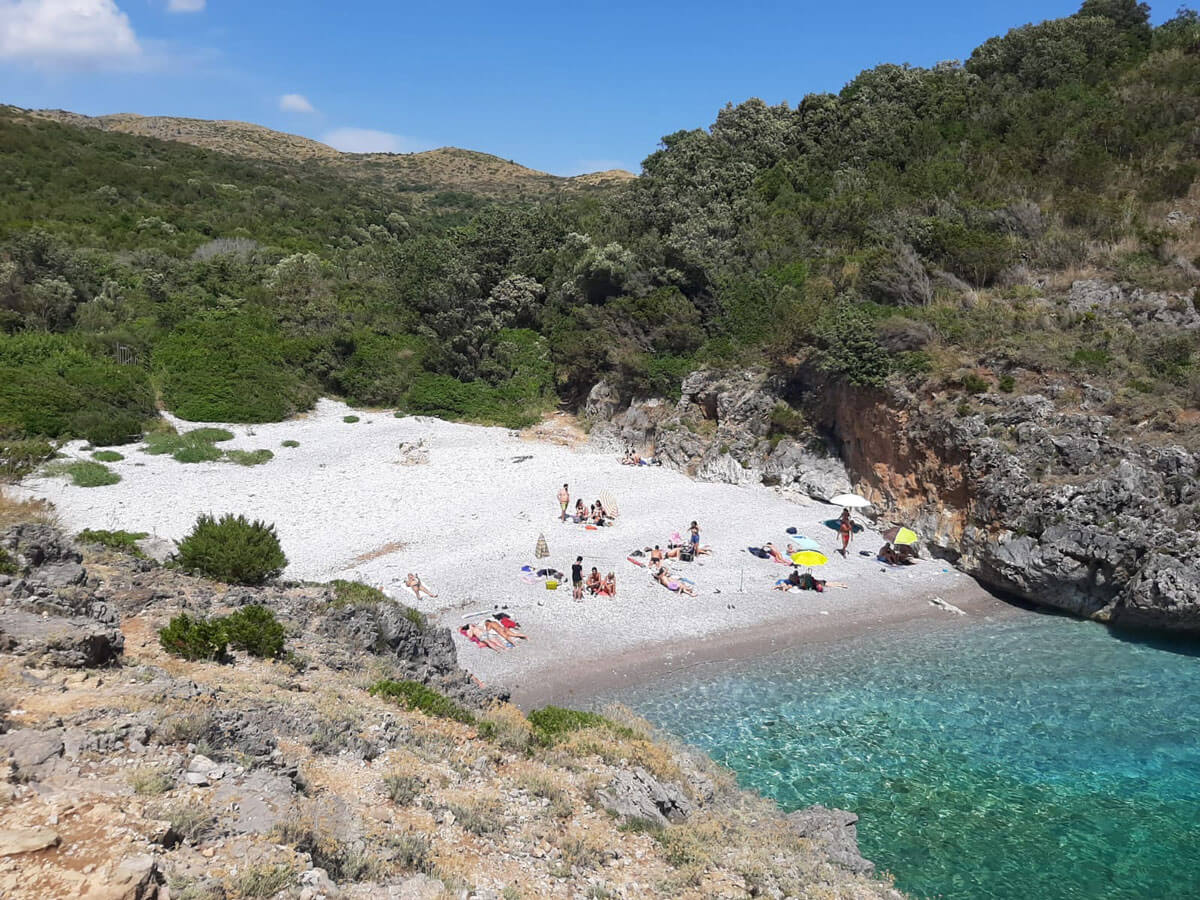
(609, 588)
(413, 582)
(496, 628)
(480, 638)
(581, 512)
(776, 555)
(679, 587)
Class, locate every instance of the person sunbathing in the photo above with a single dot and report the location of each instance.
(663, 577)
(598, 514)
(888, 554)
(413, 581)
(594, 581)
(512, 629)
(480, 638)
(496, 628)
(774, 553)
(581, 512)
(658, 554)
(609, 588)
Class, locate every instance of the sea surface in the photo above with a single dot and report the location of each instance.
(1027, 757)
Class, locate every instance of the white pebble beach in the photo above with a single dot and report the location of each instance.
(467, 520)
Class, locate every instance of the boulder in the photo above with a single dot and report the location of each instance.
(26, 840)
(28, 748)
(835, 831)
(46, 640)
(135, 878)
(636, 794)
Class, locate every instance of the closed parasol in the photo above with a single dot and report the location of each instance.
(610, 503)
(900, 535)
(809, 558)
(541, 550)
(850, 501)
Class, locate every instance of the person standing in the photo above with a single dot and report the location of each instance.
(845, 530)
(577, 578)
(564, 498)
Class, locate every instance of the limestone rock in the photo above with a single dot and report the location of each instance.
(636, 794)
(834, 830)
(28, 748)
(136, 878)
(55, 641)
(26, 840)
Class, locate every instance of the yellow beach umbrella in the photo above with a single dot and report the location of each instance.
(809, 558)
(900, 535)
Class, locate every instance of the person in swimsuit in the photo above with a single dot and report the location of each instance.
(413, 582)
(694, 537)
(564, 498)
(498, 629)
(577, 578)
(581, 513)
(594, 582)
(776, 555)
(479, 637)
(512, 629)
(663, 577)
(845, 531)
(609, 588)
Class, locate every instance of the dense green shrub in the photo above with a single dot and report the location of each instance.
(255, 629)
(125, 541)
(1007, 384)
(349, 420)
(414, 695)
(194, 639)
(107, 456)
(84, 473)
(190, 447)
(19, 457)
(974, 384)
(289, 444)
(355, 593)
(231, 369)
(379, 369)
(54, 385)
(8, 565)
(232, 549)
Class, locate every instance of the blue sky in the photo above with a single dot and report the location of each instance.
(562, 87)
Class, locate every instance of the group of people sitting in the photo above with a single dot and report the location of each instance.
(805, 581)
(900, 555)
(605, 586)
(595, 514)
(495, 633)
(633, 458)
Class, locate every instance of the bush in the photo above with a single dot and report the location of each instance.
(19, 457)
(974, 384)
(255, 629)
(349, 420)
(194, 639)
(125, 541)
(403, 789)
(379, 369)
(355, 593)
(289, 444)
(150, 782)
(249, 457)
(8, 565)
(190, 447)
(257, 882)
(553, 722)
(1007, 384)
(106, 456)
(232, 549)
(107, 428)
(235, 369)
(414, 695)
(85, 473)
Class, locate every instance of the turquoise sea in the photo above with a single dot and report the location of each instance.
(1027, 757)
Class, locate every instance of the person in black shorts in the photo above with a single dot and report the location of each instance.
(577, 578)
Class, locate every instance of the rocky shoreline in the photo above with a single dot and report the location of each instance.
(1039, 495)
(135, 775)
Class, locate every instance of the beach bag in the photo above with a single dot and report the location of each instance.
(552, 585)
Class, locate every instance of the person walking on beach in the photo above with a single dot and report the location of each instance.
(564, 498)
(577, 578)
(845, 531)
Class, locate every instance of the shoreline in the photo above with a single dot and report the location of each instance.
(593, 678)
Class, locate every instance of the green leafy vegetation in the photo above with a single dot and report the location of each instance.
(198, 445)
(355, 593)
(232, 549)
(552, 723)
(291, 444)
(194, 639)
(255, 629)
(919, 223)
(125, 541)
(84, 473)
(8, 565)
(107, 456)
(20, 456)
(414, 695)
(249, 457)
(349, 420)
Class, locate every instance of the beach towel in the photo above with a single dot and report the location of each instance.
(636, 562)
(759, 552)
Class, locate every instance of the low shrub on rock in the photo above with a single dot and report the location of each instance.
(125, 541)
(249, 457)
(414, 695)
(553, 722)
(85, 473)
(256, 630)
(194, 639)
(232, 549)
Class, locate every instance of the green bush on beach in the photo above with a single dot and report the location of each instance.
(232, 549)
(194, 639)
(84, 473)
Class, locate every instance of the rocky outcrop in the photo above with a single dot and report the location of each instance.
(721, 429)
(836, 832)
(636, 795)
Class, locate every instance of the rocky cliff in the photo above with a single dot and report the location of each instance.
(127, 773)
(1037, 495)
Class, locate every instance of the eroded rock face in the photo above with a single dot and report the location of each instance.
(836, 832)
(635, 794)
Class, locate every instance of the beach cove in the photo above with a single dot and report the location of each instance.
(464, 505)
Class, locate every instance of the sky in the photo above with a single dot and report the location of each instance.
(564, 87)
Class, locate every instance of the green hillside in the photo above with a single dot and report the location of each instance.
(922, 224)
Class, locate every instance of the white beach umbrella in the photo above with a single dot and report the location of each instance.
(850, 501)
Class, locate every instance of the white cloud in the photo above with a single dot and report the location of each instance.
(185, 6)
(365, 140)
(70, 33)
(296, 103)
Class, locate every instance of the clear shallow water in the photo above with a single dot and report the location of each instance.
(1033, 757)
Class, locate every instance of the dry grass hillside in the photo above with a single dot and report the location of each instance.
(447, 168)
